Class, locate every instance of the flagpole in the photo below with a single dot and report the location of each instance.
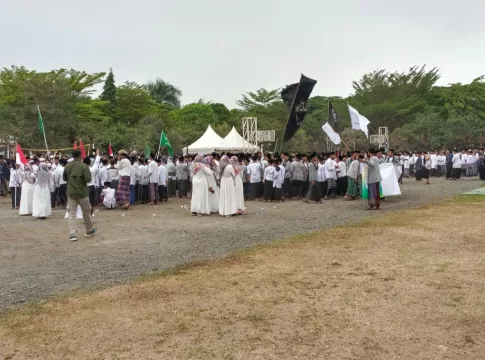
(43, 125)
(159, 144)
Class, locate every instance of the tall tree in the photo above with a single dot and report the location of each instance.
(392, 99)
(260, 98)
(164, 92)
(109, 89)
(134, 103)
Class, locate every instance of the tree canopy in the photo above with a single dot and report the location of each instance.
(418, 113)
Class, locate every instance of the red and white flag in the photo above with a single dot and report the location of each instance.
(19, 156)
(81, 146)
(110, 150)
(75, 145)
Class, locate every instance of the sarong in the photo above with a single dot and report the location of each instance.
(162, 193)
(278, 193)
(268, 190)
(313, 193)
(374, 195)
(331, 187)
(351, 187)
(123, 191)
(172, 188)
(183, 187)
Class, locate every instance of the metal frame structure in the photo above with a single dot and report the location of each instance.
(382, 138)
(250, 132)
(384, 131)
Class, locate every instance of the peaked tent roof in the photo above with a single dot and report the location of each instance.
(234, 141)
(207, 143)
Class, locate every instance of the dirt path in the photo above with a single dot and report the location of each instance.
(406, 285)
(36, 260)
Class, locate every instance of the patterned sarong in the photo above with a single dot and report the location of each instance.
(351, 187)
(374, 195)
(123, 191)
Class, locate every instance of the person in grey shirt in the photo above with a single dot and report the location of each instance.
(373, 180)
(183, 176)
(297, 176)
(285, 162)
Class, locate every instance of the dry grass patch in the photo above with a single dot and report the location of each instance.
(404, 285)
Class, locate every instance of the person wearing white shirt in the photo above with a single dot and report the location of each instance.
(15, 186)
(434, 163)
(278, 181)
(153, 179)
(142, 182)
(162, 182)
(108, 197)
(342, 176)
(60, 184)
(254, 171)
(331, 176)
(456, 167)
(93, 165)
(321, 177)
(124, 172)
(133, 180)
(268, 181)
(412, 163)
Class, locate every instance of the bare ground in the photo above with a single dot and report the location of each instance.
(37, 261)
(406, 285)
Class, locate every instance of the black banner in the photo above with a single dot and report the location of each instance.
(332, 115)
(295, 96)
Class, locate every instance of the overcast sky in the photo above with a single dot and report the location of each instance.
(219, 49)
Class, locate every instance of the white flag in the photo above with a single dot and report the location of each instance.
(332, 135)
(359, 122)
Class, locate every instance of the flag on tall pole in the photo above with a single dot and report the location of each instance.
(75, 145)
(19, 155)
(40, 124)
(83, 151)
(332, 115)
(147, 150)
(332, 135)
(164, 142)
(359, 122)
(110, 150)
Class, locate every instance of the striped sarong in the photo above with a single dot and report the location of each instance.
(123, 191)
(351, 187)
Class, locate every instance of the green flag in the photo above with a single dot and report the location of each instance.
(164, 142)
(147, 150)
(40, 122)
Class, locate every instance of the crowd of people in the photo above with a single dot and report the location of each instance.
(217, 183)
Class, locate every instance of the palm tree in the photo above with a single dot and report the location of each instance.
(164, 92)
(262, 97)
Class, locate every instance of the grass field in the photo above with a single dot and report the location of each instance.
(405, 285)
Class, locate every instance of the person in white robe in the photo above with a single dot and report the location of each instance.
(199, 204)
(239, 186)
(41, 204)
(227, 201)
(27, 195)
(212, 180)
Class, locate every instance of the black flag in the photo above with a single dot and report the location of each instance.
(332, 115)
(295, 96)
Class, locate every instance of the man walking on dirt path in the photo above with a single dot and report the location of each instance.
(77, 175)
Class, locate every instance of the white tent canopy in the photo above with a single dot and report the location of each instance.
(206, 144)
(235, 142)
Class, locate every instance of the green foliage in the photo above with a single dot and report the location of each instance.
(261, 97)
(164, 92)
(109, 89)
(418, 113)
(134, 102)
